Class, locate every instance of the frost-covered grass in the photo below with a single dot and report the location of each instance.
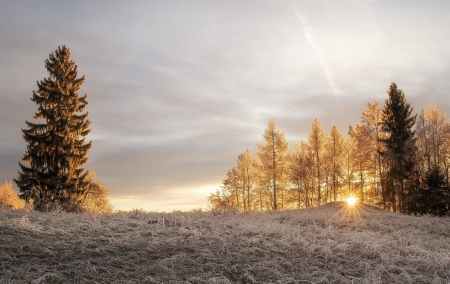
(328, 244)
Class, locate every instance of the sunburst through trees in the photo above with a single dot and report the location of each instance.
(385, 160)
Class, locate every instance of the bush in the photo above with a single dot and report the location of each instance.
(9, 198)
(429, 196)
(96, 198)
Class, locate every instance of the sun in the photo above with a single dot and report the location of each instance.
(351, 200)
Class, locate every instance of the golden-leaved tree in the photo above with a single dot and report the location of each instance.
(360, 137)
(335, 150)
(317, 142)
(272, 158)
(238, 189)
(371, 119)
(9, 198)
(384, 160)
(246, 168)
(301, 168)
(433, 135)
(96, 197)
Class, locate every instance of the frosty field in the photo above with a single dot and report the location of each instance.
(327, 244)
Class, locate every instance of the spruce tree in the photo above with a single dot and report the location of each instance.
(56, 148)
(397, 124)
(428, 194)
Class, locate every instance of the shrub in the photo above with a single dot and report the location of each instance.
(96, 198)
(9, 198)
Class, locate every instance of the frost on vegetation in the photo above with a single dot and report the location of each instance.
(47, 278)
(318, 245)
(219, 280)
(25, 223)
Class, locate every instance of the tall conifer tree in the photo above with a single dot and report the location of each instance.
(397, 124)
(56, 150)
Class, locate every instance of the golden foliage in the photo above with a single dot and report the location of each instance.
(330, 167)
(8, 197)
(271, 159)
(96, 198)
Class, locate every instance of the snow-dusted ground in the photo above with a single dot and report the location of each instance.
(327, 244)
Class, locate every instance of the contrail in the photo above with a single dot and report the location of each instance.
(309, 39)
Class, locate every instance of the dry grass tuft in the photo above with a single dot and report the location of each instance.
(329, 244)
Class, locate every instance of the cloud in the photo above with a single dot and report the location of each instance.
(177, 90)
(302, 17)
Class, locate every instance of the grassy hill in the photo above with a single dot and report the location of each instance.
(328, 244)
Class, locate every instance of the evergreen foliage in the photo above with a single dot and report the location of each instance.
(386, 160)
(430, 196)
(56, 148)
(397, 124)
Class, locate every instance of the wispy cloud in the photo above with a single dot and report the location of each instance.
(303, 18)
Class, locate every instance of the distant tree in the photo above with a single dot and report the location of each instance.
(239, 187)
(327, 170)
(246, 167)
(232, 188)
(272, 157)
(218, 201)
(348, 167)
(56, 150)
(301, 173)
(335, 150)
(9, 198)
(371, 119)
(397, 124)
(263, 196)
(317, 142)
(360, 140)
(433, 141)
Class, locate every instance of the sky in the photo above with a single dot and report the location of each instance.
(178, 89)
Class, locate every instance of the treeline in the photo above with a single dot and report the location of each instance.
(391, 158)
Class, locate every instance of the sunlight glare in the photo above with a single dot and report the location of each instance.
(351, 201)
